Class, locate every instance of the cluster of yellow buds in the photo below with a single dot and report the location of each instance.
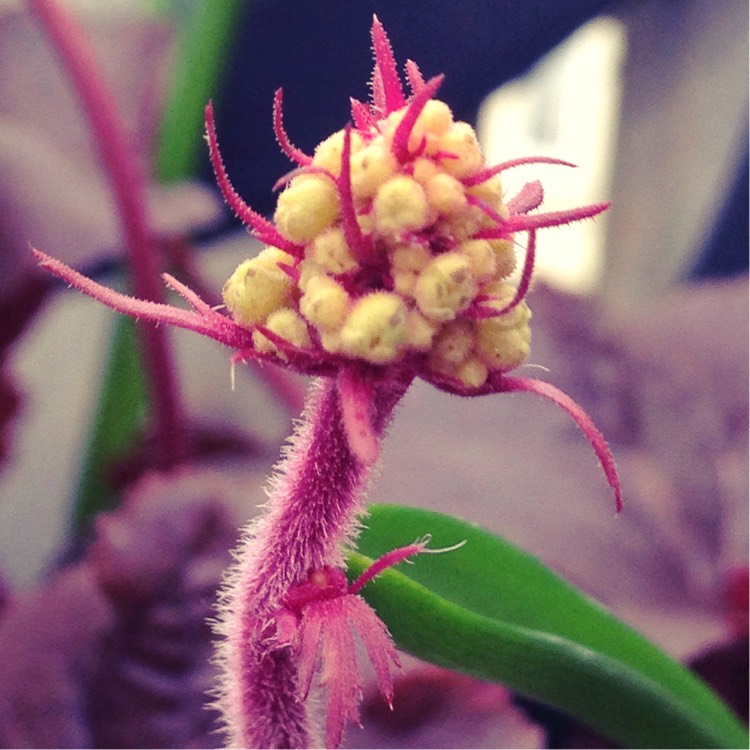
(424, 286)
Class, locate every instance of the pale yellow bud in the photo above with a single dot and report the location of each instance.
(503, 294)
(308, 205)
(328, 153)
(412, 257)
(366, 223)
(503, 342)
(461, 140)
(406, 263)
(371, 167)
(287, 324)
(419, 331)
(309, 269)
(505, 257)
(331, 341)
(434, 120)
(445, 194)
(472, 373)
(324, 303)
(453, 344)
(463, 225)
(331, 252)
(400, 206)
(482, 257)
(404, 283)
(424, 170)
(491, 192)
(502, 348)
(376, 328)
(436, 117)
(446, 286)
(258, 287)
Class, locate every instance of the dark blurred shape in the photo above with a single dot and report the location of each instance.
(724, 668)
(318, 52)
(726, 252)
(114, 651)
(435, 707)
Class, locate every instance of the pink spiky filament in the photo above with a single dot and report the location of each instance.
(317, 618)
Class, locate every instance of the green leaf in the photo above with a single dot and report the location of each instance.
(490, 610)
(120, 419)
(206, 36)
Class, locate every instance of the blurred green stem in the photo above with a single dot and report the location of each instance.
(206, 37)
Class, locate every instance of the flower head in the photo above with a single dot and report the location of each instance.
(391, 244)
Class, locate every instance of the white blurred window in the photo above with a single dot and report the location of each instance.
(566, 107)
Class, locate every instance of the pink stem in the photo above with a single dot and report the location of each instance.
(263, 229)
(525, 222)
(567, 404)
(360, 243)
(287, 147)
(488, 172)
(355, 393)
(400, 145)
(127, 181)
(310, 514)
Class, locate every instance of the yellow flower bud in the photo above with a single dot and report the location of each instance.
(412, 257)
(331, 252)
(406, 263)
(472, 373)
(376, 328)
(502, 348)
(505, 257)
(288, 324)
(453, 354)
(503, 342)
(400, 206)
(331, 341)
(308, 205)
(419, 331)
(503, 294)
(491, 192)
(371, 167)
(328, 153)
(453, 344)
(424, 170)
(445, 194)
(446, 286)
(324, 303)
(481, 256)
(461, 140)
(258, 287)
(436, 117)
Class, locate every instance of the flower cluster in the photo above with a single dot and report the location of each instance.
(391, 243)
(391, 263)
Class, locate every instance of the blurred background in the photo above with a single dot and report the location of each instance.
(641, 315)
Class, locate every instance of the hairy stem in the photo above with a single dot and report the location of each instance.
(310, 516)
